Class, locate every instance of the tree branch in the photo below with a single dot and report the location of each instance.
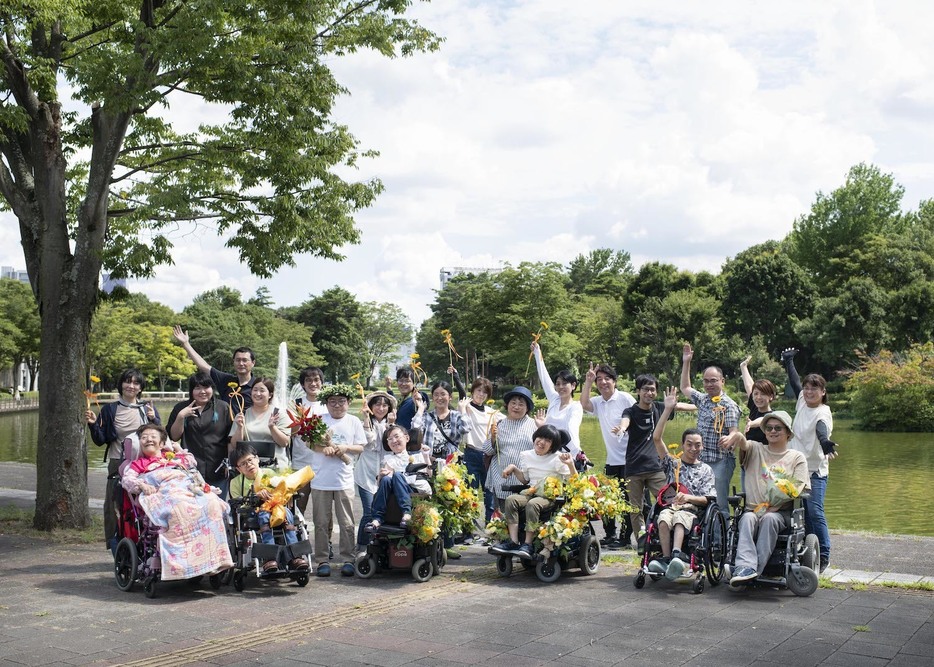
(146, 167)
(343, 17)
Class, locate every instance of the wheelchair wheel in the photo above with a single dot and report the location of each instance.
(215, 581)
(365, 566)
(149, 587)
(301, 580)
(226, 577)
(715, 547)
(421, 570)
(504, 566)
(589, 555)
(802, 581)
(811, 556)
(639, 581)
(698, 586)
(238, 581)
(548, 571)
(126, 564)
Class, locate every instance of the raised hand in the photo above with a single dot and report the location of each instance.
(788, 354)
(540, 416)
(180, 335)
(687, 353)
(671, 397)
(90, 416)
(591, 374)
(745, 362)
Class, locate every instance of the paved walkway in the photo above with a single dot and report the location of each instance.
(59, 605)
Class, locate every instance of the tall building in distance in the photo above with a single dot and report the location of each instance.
(14, 274)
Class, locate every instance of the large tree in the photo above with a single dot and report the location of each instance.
(97, 175)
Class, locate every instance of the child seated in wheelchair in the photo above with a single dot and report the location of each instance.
(246, 461)
(393, 477)
(770, 468)
(544, 460)
(690, 482)
(188, 512)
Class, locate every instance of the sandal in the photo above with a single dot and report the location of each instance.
(298, 563)
(270, 566)
(405, 521)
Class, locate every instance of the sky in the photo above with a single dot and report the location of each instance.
(681, 132)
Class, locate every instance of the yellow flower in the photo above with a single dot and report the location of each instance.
(544, 325)
(414, 356)
(673, 446)
(445, 332)
(716, 399)
(233, 385)
(355, 376)
(94, 378)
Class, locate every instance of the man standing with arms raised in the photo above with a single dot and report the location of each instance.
(717, 419)
(608, 406)
(243, 362)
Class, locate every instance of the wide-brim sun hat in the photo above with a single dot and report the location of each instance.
(381, 394)
(780, 415)
(521, 392)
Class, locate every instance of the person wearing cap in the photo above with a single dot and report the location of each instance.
(332, 488)
(545, 459)
(507, 440)
(378, 413)
(758, 531)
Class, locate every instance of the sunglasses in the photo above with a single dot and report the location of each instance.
(774, 427)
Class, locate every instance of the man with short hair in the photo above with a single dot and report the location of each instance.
(608, 406)
(717, 419)
(243, 361)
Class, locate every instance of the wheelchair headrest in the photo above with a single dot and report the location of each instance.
(265, 449)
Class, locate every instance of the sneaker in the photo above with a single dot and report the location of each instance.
(606, 541)
(743, 574)
(680, 555)
(505, 545)
(659, 565)
(324, 570)
(347, 570)
(824, 564)
(675, 569)
(454, 554)
(468, 540)
(525, 551)
(614, 545)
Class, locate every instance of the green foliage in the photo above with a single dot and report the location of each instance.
(601, 271)
(838, 224)
(892, 392)
(219, 322)
(19, 327)
(386, 329)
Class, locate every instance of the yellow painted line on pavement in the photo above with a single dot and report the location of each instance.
(437, 587)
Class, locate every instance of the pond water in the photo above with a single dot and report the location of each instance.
(872, 482)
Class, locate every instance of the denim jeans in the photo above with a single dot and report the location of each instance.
(265, 536)
(814, 519)
(723, 473)
(473, 460)
(366, 500)
(396, 485)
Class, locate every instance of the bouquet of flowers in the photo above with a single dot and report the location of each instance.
(586, 497)
(310, 428)
(496, 528)
(457, 501)
(425, 524)
(282, 488)
(781, 488)
(551, 487)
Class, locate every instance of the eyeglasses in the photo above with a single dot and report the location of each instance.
(711, 380)
(774, 427)
(336, 400)
(247, 461)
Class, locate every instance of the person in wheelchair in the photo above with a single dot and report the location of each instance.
(768, 510)
(544, 460)
(394, 479)
(246, 461)
(690, 483)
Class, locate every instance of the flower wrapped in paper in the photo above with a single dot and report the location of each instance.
(780, 489)
(425, 523)
(281, 489)
(458, 502)
(496, 527)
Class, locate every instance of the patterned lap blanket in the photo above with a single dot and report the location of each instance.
(193, 539)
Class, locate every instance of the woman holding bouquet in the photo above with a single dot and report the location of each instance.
(775, 474)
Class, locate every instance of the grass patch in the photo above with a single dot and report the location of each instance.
(621, 559)
(860, 628)
(17, 521)
(857, 586)
(908, 585)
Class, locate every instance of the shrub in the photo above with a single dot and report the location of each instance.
(892, 392)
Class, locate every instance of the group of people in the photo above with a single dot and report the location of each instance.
(367, 456)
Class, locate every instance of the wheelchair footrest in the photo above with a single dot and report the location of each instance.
(300, 548)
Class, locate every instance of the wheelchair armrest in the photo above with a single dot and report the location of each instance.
(415, 467)
(737, 498)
